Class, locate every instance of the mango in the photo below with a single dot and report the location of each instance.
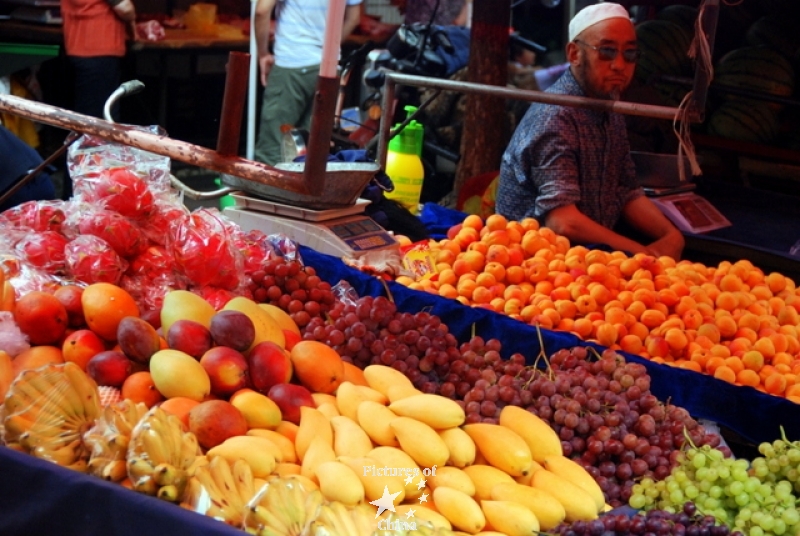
(176, 373)
(185, 305)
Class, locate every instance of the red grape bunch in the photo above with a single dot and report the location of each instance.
(295, 288)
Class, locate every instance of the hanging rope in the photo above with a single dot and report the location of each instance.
(700, 51)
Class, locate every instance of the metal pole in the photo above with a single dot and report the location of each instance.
(392, 79)
(177, 150)
(387, 107)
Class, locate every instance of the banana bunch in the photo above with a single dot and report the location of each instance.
(47, 410)
(161, 455)
(109, 438)
(335, 519)
(284, 508)
(222, 490)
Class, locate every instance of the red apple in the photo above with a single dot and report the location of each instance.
(269, 365)
(109, 368)
(290, 398)
(190, 337)
(226, 368)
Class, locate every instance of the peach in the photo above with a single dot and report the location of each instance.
(82, 345)
(214, 421)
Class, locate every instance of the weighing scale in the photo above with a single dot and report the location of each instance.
(342, 232)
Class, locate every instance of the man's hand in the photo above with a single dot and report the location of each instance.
(670, 245)
(265, 63)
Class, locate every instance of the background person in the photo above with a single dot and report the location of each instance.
(291, 70)
(571, 167)
(94, 40)
(449, 12)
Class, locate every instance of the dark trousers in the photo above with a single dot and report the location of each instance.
(95, 79)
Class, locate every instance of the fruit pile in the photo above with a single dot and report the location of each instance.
(731, 321)
(601, 410)
(758, 498)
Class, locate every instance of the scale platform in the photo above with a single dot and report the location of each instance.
(342, 232)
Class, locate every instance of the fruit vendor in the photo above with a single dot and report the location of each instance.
(571, 167)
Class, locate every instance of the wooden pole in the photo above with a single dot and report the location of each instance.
(483, 137)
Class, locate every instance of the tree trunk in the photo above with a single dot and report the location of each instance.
(483, 137)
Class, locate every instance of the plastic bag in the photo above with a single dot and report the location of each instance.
(204, 252)
(34, 216)
(116, 176)
(123, 234)
(90, 259)
(12, 340)
(44, 250)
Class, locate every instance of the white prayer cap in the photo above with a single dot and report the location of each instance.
(593, 14)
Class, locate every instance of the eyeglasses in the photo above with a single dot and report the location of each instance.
(630, 55)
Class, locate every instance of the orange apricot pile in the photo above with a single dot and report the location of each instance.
(732, 321)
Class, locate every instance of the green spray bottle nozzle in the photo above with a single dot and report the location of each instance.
(408, 135)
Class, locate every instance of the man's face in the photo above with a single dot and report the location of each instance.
(601, 77)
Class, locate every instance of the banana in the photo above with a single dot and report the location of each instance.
(313, 425)
(319, 451)
(460, 445)
(502, 447)
(436, 411)
(510, 518)
(86, 389)
(337, 482)
(53, 394)
(249, 448)
(375, 420)
(286, 469)
(165, 474)
(168, 493)
(541, 439)
(64, 456)
(349, 439)
(460, 509)
(263, 519)
(578, 504)
(220, 470)
(575, 473)
(243, 477)
(115, 471)
(485, 477)
(420, 441)
(381, 378)
(153, 446)
(549, 511)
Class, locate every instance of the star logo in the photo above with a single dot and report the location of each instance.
(410, 513)
(422, 498)
(408, 479)
(421, 484)
(386, 502)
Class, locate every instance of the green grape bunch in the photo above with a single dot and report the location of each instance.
(756, 499)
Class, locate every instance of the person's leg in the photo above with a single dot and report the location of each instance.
(285, 102)
(307, 86)
(95, 79)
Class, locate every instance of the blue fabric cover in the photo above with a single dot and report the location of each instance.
(39, 498)
(17, 158)
(753, 415)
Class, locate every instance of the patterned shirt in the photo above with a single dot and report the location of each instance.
(563, 155)
(421, 11)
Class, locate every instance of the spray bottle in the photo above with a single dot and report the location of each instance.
(404, 165)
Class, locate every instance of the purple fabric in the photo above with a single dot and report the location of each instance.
(562, 155)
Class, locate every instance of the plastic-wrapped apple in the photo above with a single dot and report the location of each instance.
(120, 232)
(35, 215)
(44, 250)
(123, 191)
(91, 259)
